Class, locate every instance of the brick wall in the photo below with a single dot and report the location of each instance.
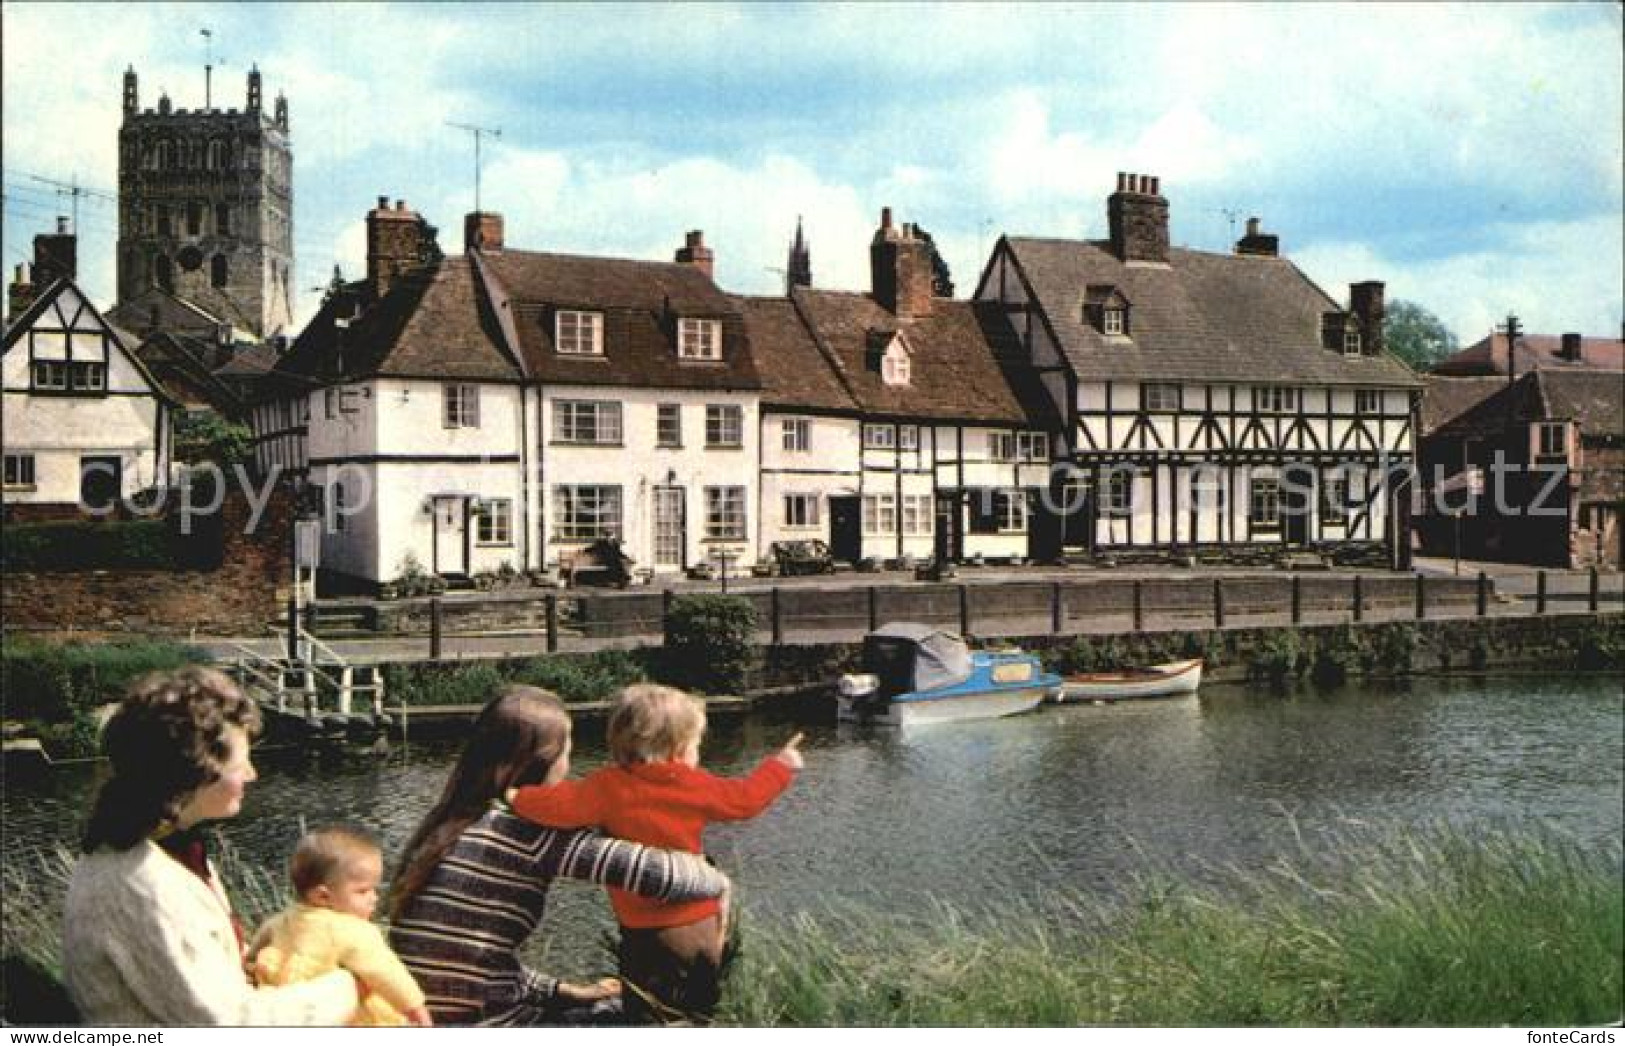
(244, 595)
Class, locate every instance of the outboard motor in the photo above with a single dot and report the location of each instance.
(862, 690)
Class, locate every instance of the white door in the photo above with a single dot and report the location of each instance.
(669, 528)
(450, 535)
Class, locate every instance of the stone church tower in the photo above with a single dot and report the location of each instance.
(206, 213)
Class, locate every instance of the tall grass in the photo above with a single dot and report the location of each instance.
(1422, 927)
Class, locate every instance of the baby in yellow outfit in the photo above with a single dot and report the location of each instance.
(335, 874)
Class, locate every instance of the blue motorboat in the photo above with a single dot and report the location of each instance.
(915, 674)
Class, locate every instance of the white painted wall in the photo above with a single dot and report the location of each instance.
(830, 467)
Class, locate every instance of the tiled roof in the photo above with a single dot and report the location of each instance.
(1202, 317)
(432, 323)
(794, 373)
(640, 302)
(1446, 398)
(1595, 399)
(960, 366)
(1535, 351)
(185, 375)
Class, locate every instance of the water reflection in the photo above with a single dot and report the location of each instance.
(1079, 795)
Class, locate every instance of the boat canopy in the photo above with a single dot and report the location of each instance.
(909, 657)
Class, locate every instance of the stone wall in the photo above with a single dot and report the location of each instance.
(244, 595)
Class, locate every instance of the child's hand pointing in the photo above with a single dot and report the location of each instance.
(790, 754)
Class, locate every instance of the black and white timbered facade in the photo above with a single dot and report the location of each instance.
(1217, 404)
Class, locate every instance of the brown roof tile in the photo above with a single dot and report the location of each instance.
(794, 373)
(1595, 399)
(1202, 317)
(1535, 351)
(641, 302)
(1446, 398)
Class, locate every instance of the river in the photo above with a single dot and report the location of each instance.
(1076, 795)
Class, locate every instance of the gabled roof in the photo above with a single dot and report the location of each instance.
(24, 322)
(1595, 399)
(958, 372)
(1202, 317)
(186, 376)
(640, 302)
(1446, 398)
(1534, 351)
(433, 323)
(794, 373)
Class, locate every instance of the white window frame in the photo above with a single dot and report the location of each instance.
(877, 436)
(724, 425)
(801, 511)
(1264, 503)
(19, 472)
(879, 515)
(1162, 396)
(917, 514)
(1275, 399)
(1001, 446)
(699, 339)
(578, 333)
(1368, 401)
(494, 526)
(908, 437)
(1351, 342)
(1113, 321)
(895, 366)
(584, 512)
(96, 373)
(1544, 433)
(797, 435)
(1032, 446)
(725, 514)
(55, 372)
(460, 406)
(1010, 510)
(669, 425)
(1334, 500)
(1117, 493)
(587, 423)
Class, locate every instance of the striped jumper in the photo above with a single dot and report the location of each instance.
(460, 936)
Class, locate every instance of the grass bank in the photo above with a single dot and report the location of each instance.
(1416, 928)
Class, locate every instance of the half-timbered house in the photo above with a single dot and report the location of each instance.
(1218, 405)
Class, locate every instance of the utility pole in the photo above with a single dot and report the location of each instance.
(478, 133)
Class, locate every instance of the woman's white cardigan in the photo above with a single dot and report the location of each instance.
(145, 941)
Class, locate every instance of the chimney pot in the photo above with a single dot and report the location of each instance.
(62, 225)
(694, 252)
(885, 217)
(400, 205)
(1572, 347)
(1156, 185)
(1252, 226)
(1122, 181)
(383, 203)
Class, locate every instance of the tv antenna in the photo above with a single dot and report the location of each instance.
(74, 190)
(1230, 215)
(478, 133)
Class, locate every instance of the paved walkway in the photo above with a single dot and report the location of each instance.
(1515, 586)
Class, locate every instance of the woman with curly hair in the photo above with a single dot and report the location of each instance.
(149, 936)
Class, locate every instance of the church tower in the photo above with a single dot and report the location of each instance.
(206, 212)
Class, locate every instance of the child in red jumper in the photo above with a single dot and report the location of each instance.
(655, 793)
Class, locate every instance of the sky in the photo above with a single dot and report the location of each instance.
(1470, 156)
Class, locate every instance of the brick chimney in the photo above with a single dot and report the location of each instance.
(1365, 302)
(900, 269)
(56, 255)
(394, 244)
(694, 252)
(1261, 244)
(482, 231)
(1137, 215)
(1572, 349)
(20, 295)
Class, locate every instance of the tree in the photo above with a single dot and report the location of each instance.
(1416, 335)
(203, 435)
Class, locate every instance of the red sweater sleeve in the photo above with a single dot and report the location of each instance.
(568, 804)
(740, 798)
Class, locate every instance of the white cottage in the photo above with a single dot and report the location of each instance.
(1216, 404)
(86, 426)
(895, 423)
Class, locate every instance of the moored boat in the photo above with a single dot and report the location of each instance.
(916, 674)
(1176, 677)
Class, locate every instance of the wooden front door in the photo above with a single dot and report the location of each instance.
(846, 529)
(450, 536)
(950, 543)
(671, 530)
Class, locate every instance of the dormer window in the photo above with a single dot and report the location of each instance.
(699, 339)
(1351, 342)
(895, 367)
(1106, 309)
(579, 333)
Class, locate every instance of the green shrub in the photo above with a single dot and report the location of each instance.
(1278, 658)
(141, 544)
(58, 687)
(592, 678)
(709, 642)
